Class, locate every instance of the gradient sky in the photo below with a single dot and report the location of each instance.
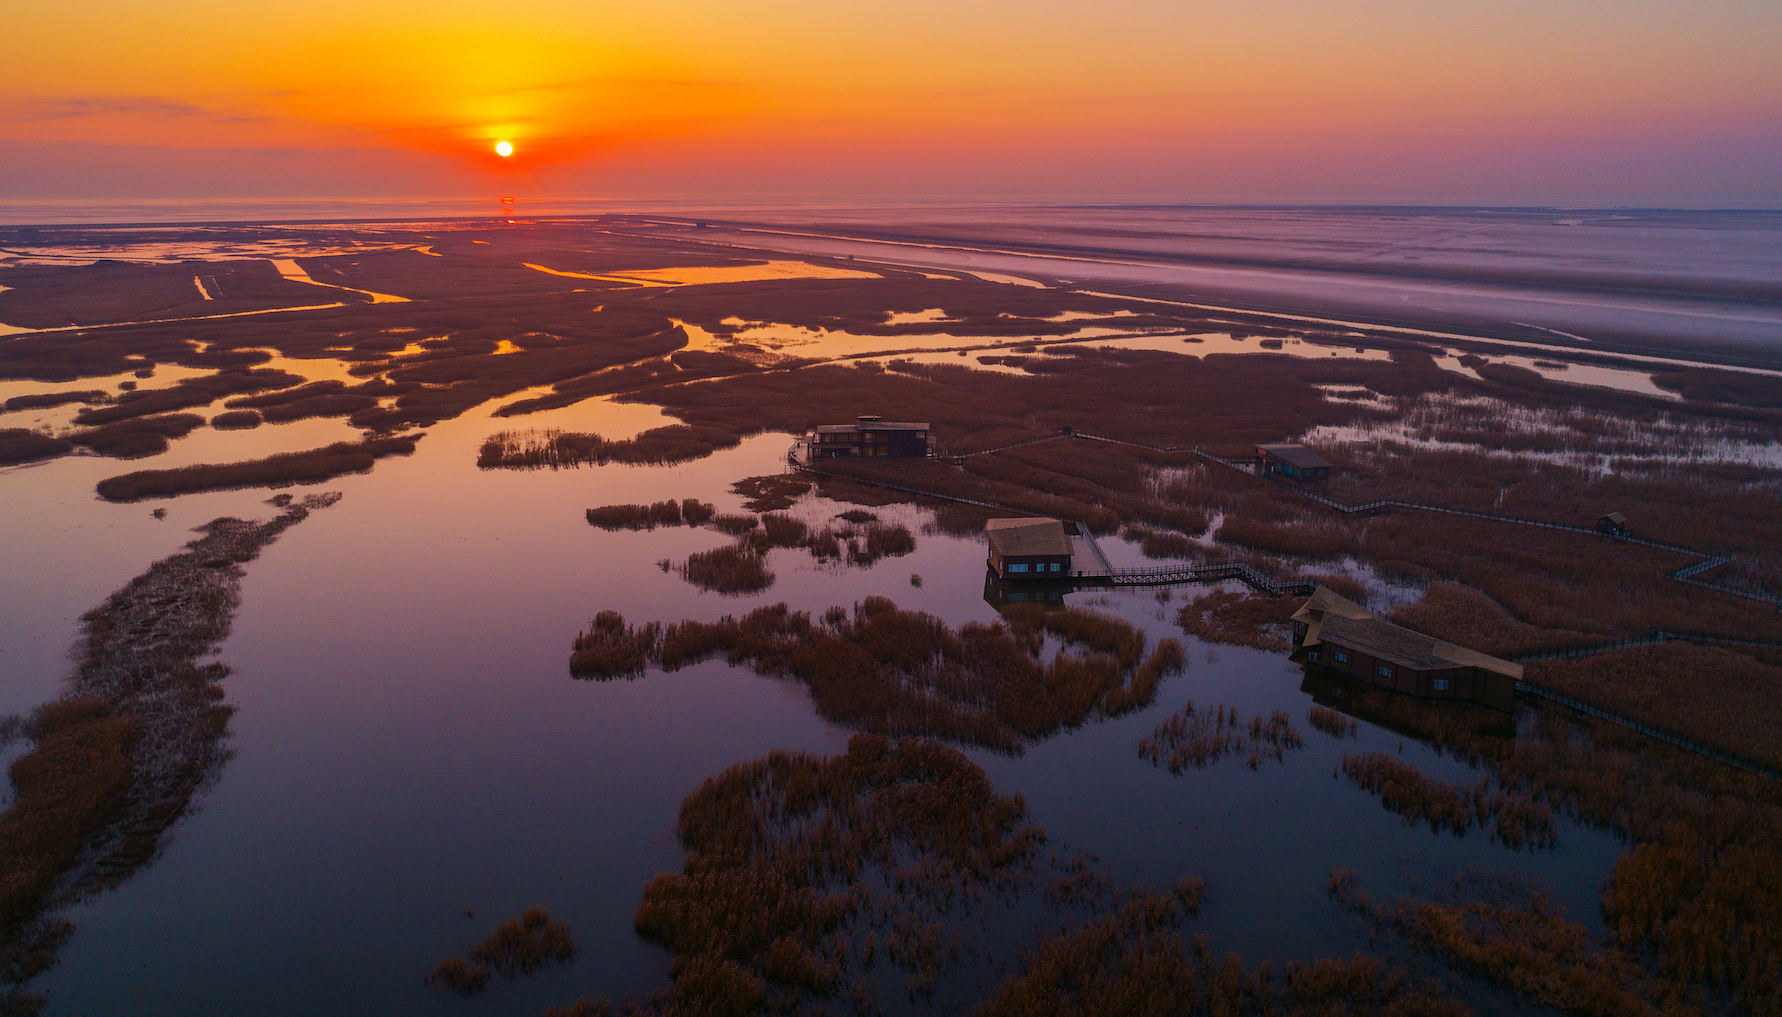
(1518, 101)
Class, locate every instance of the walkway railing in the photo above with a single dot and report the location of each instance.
(1248, 465)
(1217, 571)
(1164, 575)
(1652, 638)
(1552, 695)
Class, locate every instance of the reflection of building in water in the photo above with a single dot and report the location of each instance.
(1295, 461)
(1389, 710)
(1339, 635)
(1028, 548)
(871, 435)
(1000, 594)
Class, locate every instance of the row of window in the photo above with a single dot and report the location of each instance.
(1042, 567)
(1383, 670)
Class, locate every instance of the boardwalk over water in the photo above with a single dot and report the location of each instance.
(1096, 569)
(1710, 560)
(1103, 573)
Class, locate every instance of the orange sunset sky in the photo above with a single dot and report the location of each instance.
(1550, 102)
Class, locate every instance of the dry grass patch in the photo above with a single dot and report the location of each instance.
(1240, 617)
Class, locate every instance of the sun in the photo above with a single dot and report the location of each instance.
(504, 148)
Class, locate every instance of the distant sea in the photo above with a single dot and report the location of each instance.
(282, 210)
(286, 210)
(1696, 284)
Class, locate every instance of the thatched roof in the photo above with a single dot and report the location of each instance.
(1025, 538)
(1334, 619)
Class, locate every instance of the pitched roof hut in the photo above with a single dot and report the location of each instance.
(1028, 548)
(1337, 634)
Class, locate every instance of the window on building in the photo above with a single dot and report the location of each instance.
(1342, 656)
(1017, 567)
(1384, 670)
(1439, 684)
(1312, 655)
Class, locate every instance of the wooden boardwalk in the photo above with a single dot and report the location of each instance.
(1104, 574)
(1209, 572)
(1099, 571)
(1710, 560)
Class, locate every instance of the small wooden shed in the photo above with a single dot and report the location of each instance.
(1028, 548)
(1294, 461)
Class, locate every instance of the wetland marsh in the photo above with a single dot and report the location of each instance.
(808, 691)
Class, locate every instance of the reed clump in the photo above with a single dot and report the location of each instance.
(687, 511)
(1168, 658)
(771, 493)
(1194, 737)
(118, 759)
(735, 524)
(880, 540)
(137, 437)
(1518, 821)
(22, 445)
(1531, 947)
(1332, 722)
(883, 669)
(74, 778)
(611, 649)
(45, 400)
(312, 467)
(824, 546)
(519, 946)
(1138, 960)
(1403, 789)
(780, 530)
(553, 449)
(733, 570)
(957, 520)
(790, 855)
(236, 420)
(1155, 543)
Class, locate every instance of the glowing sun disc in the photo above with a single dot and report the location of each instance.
(504, 148)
